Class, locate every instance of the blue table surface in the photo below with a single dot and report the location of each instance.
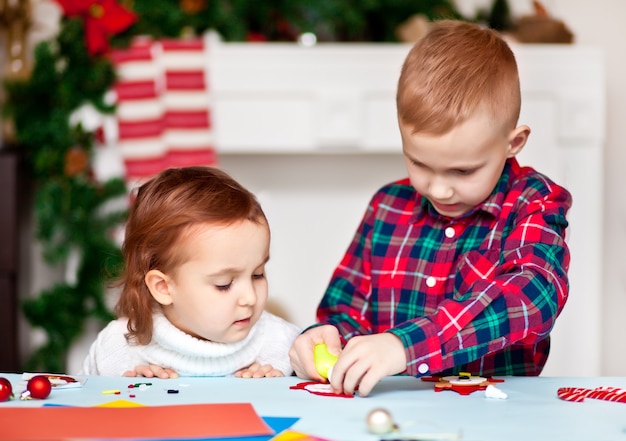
(532, 410)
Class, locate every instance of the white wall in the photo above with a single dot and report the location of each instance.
(601, 23)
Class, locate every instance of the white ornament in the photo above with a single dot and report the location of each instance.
(380, 422)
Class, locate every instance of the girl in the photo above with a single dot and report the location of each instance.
(194, 286)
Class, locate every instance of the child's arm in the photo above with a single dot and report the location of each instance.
(508, 292)
(365, 360)
(360, 365)
(506, 297)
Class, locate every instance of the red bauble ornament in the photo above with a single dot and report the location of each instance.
(6, 391)
(39, 387)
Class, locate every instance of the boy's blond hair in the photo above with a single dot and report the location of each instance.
(455, 70)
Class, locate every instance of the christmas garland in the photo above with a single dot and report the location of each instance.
(74, 221)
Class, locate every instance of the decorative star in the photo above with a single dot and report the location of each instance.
(463, 384)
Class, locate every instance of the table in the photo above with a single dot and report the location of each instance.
(532, 410)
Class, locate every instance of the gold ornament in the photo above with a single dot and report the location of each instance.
(96, 10)
(76, 161)
(15, 17)
(193, 6)
(413, 28)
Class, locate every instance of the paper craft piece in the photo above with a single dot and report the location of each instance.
(495, 393)
(58, 381)
(290, 435)
(120, 404)
(146, 422)
(115, 403)
(316, 388)
(278, 424)
(463, 384)
(578, 394)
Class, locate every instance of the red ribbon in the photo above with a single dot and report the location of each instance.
(102, 18)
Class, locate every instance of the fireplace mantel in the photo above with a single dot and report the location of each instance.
(339, 98)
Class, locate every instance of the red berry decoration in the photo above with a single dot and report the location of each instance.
(39, 387)
(6, 391)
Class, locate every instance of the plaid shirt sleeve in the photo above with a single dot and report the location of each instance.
(478, 293)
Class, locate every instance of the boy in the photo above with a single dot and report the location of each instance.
(463, 265)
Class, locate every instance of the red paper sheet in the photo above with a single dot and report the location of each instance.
(149, 422)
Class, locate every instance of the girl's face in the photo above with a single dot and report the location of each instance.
(219, 293)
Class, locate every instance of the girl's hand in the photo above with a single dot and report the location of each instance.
(256, 370)
(150, 371)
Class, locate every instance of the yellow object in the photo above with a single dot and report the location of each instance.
(324, 360)
(120, 403)
(111, 392)
(290, 435)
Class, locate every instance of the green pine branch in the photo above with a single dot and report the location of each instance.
(71, 213)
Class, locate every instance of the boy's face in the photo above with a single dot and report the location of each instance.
(459, 170)
(220, 292)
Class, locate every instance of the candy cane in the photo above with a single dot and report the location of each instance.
(578, 394)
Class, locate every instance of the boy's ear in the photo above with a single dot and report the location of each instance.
(517, 140)
(158, 284)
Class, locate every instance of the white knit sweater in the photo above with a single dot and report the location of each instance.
(268, 343)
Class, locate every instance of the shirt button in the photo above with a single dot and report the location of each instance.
(450, 232)
(422, 368)
(431, 281)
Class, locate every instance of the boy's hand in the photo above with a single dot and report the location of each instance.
(301, 352)
(150, 371)
(257, 370)
(365, 360)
